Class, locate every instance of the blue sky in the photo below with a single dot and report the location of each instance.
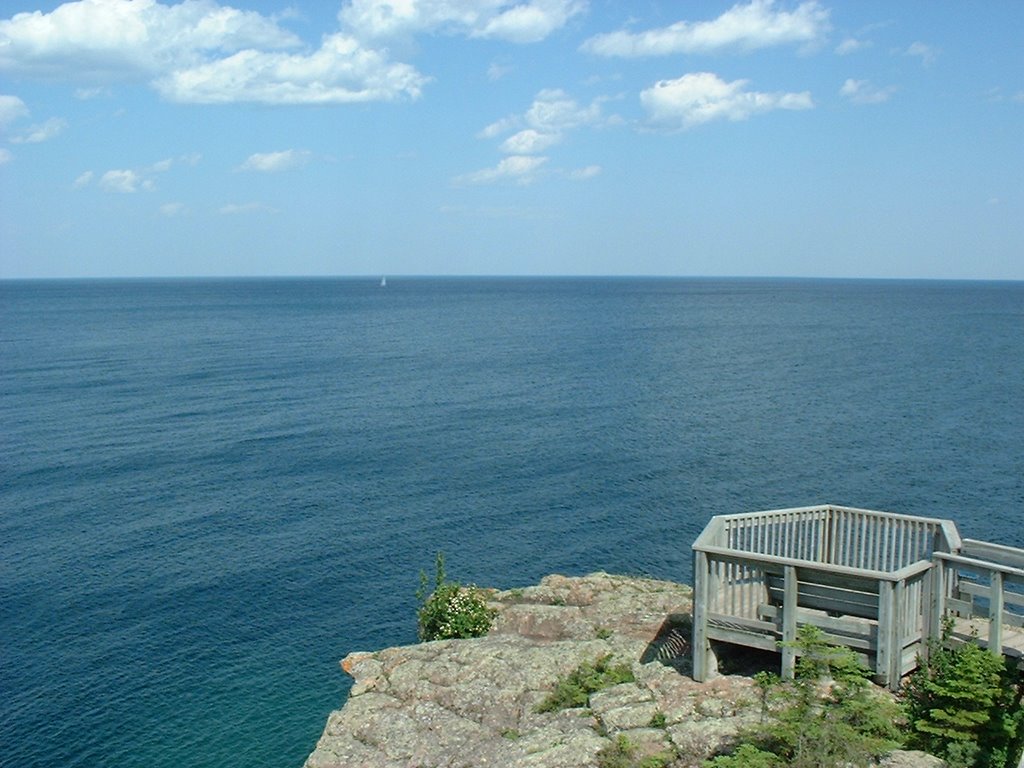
(509, 137)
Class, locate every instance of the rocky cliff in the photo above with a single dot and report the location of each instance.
(471, 703)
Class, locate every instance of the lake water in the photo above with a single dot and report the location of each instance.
(213, 490)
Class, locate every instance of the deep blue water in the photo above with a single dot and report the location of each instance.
(211, 491)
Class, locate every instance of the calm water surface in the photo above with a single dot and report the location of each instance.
(211, 491)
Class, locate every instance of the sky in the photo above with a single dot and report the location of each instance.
(815, 138)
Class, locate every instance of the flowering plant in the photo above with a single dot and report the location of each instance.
(451, 610)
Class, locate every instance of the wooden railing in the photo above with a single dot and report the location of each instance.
(856, 538)
(859, 575)
(981, 581)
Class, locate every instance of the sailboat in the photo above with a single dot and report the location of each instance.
(383, 282)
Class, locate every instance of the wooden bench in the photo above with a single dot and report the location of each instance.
(835, 594)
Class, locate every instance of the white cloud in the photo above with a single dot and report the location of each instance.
(926, 53)
(130, 39)
(529, 142)
(530, 22)
(173, 209)
(271, 162)
(197, 51)
(545, 123)
(702, 97)
(521, 169)
(341, 71)
(553, 110)
(589, 172)
(747, 27)
(41, 132)
(851, 45)
(235, 208)
(83, 180)
(5, 156)
(526, 22)
(497, 70)
(863, 92)
(123, 181)
(86, 94)
(11, 109)
(552, 113)
(499, 127)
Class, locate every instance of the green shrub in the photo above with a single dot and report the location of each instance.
(963, 704)
(574, 690)
(618, 754)
(746, 756)
(451, 610)
(621, 753)
(846, 722)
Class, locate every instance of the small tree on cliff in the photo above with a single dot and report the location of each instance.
(964, 705)
(829, 715)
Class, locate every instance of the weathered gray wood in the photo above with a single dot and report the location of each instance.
(789, 622)
(983, 566)
(982, 590)
(818, 593)
(995, 553)
(700, 617)
(845, 626)
(874, 581)
(995, 614)
(886, 646)
(895, 636)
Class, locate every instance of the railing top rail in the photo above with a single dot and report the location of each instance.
(770, 512)
(1014, 553)
(714, 528)
(984, 565)
(993, 545)
(901, 574)
(952, 535)
(938, 521)
(894, 515)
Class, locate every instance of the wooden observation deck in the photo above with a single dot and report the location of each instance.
(876, 582)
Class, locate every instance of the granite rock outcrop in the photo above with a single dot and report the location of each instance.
(472, 703)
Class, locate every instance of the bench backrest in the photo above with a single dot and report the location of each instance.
(833, 593)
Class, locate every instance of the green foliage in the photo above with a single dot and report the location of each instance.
(829, 715)
(451, 610)
(618, 754)
(657, 720)
(963, 704)
(746, 756)
(621, 753)
(574, 690)
(656, 761)
(511, 734)
(766, 683)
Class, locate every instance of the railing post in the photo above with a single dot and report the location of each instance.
(789, 607)
(995, 613)
(927, 606)
(899, 599)
(701, 649)
(884, 643)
